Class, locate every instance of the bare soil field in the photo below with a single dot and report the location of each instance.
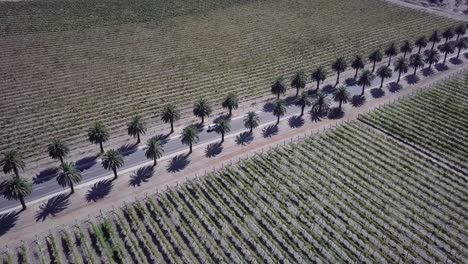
(66, 64)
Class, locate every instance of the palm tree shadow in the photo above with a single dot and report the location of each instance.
(412, 79)
(162, 138)
(178, 163)
(244, 138)
(455, 61)
(441, 67)
(7, 222)
(213, 150)
(295, 121)
(350, 82)
(52, 207)
(86, 162)
(99, 190)
(427, 72)
(45, 175)
(290, 100)
(128, 149)
(268, 107)
(199, 126)
(335, 113)
(3, 185)
(328, 89)
(377, 92)
(270, 131)
(222, 117)
(141, 175)
(358, 100)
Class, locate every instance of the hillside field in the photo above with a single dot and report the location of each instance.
(66, 64)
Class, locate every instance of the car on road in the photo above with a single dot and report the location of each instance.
(211, 127)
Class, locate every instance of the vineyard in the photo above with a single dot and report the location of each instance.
(349, 195)
(435, 120)
(66, 64)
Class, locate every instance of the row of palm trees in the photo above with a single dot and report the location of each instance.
(68, 174)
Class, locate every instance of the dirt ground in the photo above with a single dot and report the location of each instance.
(455, 9)
(92, 199)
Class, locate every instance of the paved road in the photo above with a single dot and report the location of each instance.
(46, 185)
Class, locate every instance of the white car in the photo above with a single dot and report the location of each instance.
(211, 127)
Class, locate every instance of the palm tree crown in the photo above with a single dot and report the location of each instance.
(231, 102)
(58, 150)
(321, 103)
(460, 30)
(98, 134)
(406, 47)
(339, 66)
(365, 80)
(357, 63)
(421, 42)
(384, 72)
(431, 57)
(136, 127)
(251, 120)
(112, 160)
(279, 110)
(189, 136)
(153, 150)
(12, 161)
(303, 101)
(341, 95)
(434, 38)
(374, 57)
(68, 175)
(391, 51)
(278, 88)
(298, 81)
(170, 114)
(202, 109)
(461, 44)
(17, 188)
(401, 66)
(416, 61)
(222, 128)
(448, 34)
(319, 75)
(447, 48)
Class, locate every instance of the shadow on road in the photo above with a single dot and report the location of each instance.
(86, 162)
(335, 113)
(178, 163)
(3, 185)
(455, 61)
(295, 121)
(45, 175)
(393, 87)
(128, 149)
(270, 131)
(377, 92)
(7, 222)
(163, 138)
(316, 116)
(328, 89)
(141, 175)
(358, 100)
(412, 79)
(427, 72)
(52, 207)
(244, 138)
(268, 107)
(99, 190)
(213, 150)
(350, 82)
(441, 67)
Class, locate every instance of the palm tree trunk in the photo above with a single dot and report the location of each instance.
(458, 55)
(72, 189)
(222, 137)
(419, 50)
(381, 83)
(155, 162)
(172, 126)
(355, 74)
(138, 138)
(446, 39)
(389, 60)
(190, 152)
(415, 69)
(102, 147)
(23, 204)
(338, 78)
(318, 85)
(61, 160)
(251, 130)
(373, 67)
(445, 57)
(433, 44)
(115, 173)
(404, 55)
(297, 91)
(302, 110)
(230, 111)
(339, 106)
(278, 95)
(399, 75)
(458, 37)
(15, 170)
(203, 119)
(363, 87)
(277, 121)
(430, 65)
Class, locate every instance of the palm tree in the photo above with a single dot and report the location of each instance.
(460, 30)
(98, 134)
(431, 57)
(341, 95)
(374, 57)
(170, 114)
(279, 110)
(251, 121)
(401, 66)
(416, 61)
(231, 102)
(447, 48)
(319, 75)
(278, 87)
(17, 188)
(201, 109)
(406, 47)
(434, 38)
(189, 137)
(153, 150)
(58, 150)
(365, 80)
(136, 127)
(339, 66)
(298, 81)
(460, 44)
(68, 175)
(222, 128)
(112, 160)
(384, 72)
(421, 42)
(12, 161)
(448, 34)
(303, 101)
(321, 103)
(391, 51)
(357, 63)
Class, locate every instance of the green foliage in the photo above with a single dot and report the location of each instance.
(12, 161)
(136, 128)
(202, 109)
(68, 175)
(58, 150)
(154, 150)
(251, 120)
